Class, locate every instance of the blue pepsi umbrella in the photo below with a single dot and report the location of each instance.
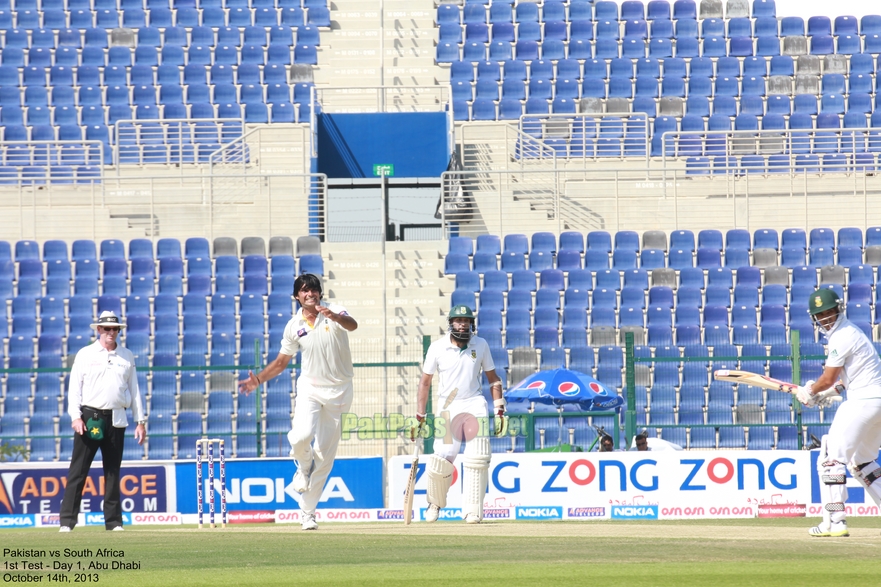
(565, 386)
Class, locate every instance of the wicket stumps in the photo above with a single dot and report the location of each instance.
(209, 443)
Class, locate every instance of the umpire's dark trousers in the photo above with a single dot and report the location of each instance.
(84, 451)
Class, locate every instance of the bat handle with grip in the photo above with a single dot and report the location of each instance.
(416, 431)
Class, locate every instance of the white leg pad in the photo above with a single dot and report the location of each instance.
(832, 485)
(475, 462)
(440, 476)
(869, 476)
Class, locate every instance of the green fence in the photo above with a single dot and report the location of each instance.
(386, 388)
(794, 357)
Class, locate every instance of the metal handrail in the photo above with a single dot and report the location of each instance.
(165, 123)
(623, 115)
(673, 139)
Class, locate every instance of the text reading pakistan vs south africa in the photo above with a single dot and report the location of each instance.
(65, 565)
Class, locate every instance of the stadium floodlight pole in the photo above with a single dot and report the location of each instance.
(795, 342)
(258, 366)
(630, 376)
(383, 236)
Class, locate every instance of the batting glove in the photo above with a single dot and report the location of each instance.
(832, 395)
(805, 396)
(416, 431)
(500, 420)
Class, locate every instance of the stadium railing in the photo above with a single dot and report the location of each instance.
(524, 200)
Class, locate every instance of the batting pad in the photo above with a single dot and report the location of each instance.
(440, 476)
(475, 476)
(869, 476)
(833, 490)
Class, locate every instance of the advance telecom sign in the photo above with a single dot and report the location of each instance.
(39, 488)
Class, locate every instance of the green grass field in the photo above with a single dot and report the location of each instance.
(765, 553)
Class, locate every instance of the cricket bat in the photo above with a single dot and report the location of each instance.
(411, 483)
(764, 382)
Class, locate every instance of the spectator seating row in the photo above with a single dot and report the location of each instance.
(765, 248)
(527, 11)
(810, 71)
(164, 248)
(736, 238)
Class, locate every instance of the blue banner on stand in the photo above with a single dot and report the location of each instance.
(26, 490)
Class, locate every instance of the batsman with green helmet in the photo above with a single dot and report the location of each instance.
(458, 359)
(855, 435)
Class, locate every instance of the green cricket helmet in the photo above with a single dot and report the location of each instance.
(822, 300)
(461, 332)
(460, 311)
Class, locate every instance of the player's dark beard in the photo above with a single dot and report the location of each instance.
(461, 335)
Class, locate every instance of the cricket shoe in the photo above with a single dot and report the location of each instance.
(302, 480)
(472, 519)
(65, 529)
(834, 530)
(309, 522)
(431, 513)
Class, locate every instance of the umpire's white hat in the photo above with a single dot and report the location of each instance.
(108, 318)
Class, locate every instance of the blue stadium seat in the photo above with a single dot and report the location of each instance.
(849, 256)
(862, 64)
(455, 263)
(860, 276)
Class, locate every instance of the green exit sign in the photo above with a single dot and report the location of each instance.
(387, 170)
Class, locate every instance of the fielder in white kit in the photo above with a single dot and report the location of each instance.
(855, 435)
(458, 358)
(324, 388)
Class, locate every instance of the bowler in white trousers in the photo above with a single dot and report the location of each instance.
(324, 388)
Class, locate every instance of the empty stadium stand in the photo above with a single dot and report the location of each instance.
(723, 305)
(89, 90)
(70, 71)
(230, 304)
(671, 76)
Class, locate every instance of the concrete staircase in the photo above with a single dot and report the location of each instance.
(415, 291)
(391, 326)
(379, 43)
(279, 148)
